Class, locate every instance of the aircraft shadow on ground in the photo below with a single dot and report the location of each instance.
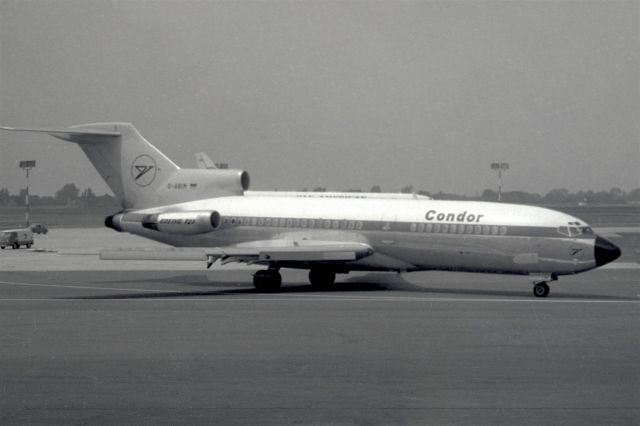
(364, 283)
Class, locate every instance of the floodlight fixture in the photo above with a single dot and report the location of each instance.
(27, 165)
(500, 167)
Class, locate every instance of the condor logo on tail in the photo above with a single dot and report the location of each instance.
(143, 170)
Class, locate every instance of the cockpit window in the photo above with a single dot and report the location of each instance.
(586, 230)
(574, 231)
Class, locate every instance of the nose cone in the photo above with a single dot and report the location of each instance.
(605, 251)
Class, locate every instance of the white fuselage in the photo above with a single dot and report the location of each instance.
(406, 234)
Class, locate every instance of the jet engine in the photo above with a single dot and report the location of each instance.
(183, 223)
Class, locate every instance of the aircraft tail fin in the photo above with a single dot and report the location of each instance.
(131, 166)
(139, 175)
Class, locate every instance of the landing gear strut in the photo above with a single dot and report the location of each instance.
(268, 280)
(321, 278)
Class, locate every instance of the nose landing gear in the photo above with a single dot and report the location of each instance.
(541, 290)
(540, 286)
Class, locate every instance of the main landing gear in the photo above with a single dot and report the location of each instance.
(270, 280)
(321, 278)
(267, 280)
(540, 286)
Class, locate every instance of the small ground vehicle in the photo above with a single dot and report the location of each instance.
(39, 228)
(15, 238)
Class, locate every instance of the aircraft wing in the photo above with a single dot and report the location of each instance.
(256, 252)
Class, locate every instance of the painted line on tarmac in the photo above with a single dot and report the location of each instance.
(622, 265)
(310, 298)
(86, 287)
(454, 299)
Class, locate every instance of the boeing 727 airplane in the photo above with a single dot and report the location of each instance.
(326, 233)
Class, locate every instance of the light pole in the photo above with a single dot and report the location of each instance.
(27, 165)
(500, 167)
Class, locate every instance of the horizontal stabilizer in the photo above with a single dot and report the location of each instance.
(73, 134)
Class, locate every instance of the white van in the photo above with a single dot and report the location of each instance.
(15, 238)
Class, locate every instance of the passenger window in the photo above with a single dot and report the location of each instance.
(352, 224)
(289, 223)
(436, 227)
(413, 227)
(359, 224)
(469, 229)
(477, 229)
(303, 223)
(494, 230)
(336, 224)
(327, 224)
(461, 229)
(452, 229)
(429, 227)
(312, 223)
(444, 228)
(260, 221)
(486, 230)
(421, 227)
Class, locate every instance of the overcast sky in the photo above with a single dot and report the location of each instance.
(334, 94)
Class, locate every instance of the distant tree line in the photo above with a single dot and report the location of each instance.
(67, 196)
(70, 196)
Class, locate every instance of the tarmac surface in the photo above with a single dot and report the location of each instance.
(84, 341)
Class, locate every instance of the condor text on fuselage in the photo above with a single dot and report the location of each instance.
(451, 217)
(212, 211)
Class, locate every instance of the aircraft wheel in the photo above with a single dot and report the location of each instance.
(541, 290)
(28, 245)
(321, 278)
(267, 280)
(15, 246)
(2, 247)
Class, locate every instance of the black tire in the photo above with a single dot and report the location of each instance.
(2, 247)
(267, 281)
(28, 245)
(322, 278)
(541, 290)
(15, 246)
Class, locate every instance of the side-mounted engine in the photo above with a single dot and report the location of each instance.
(181, 223)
